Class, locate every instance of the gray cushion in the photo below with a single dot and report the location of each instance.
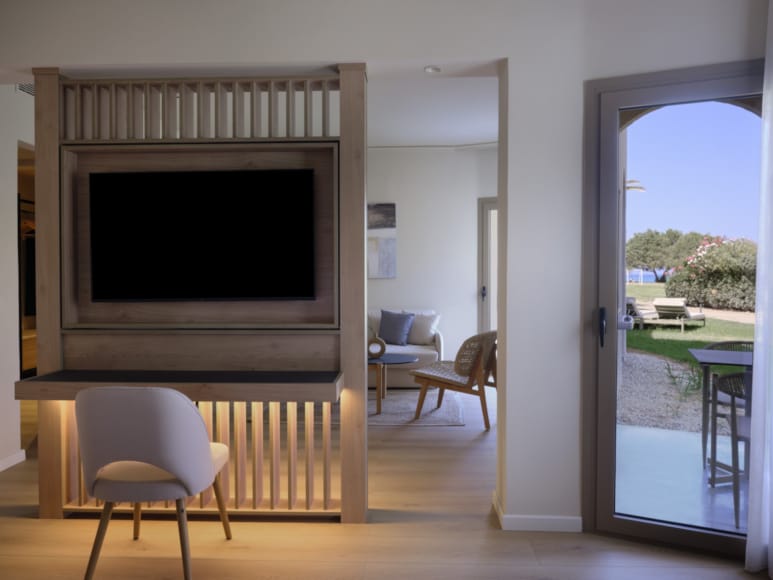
(395, 326)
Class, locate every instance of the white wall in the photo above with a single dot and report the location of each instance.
(551, 47)
(16, 120)
(435, 191)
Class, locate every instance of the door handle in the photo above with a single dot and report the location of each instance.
(602, 325)
(483, 293)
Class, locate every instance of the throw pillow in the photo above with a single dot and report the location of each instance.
(395, 326)
(424, 328)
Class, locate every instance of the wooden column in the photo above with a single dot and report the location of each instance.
(51, 419)
(354, 398)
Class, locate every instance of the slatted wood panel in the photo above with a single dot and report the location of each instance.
(270, 449)
(199, 110)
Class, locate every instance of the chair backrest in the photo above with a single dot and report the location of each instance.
(733, 384)
(154, 425)
(474, 354)
(671, 307)
(734, 345)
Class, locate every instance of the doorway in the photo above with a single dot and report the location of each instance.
(612, 456)
(27, 321)
(487, 264)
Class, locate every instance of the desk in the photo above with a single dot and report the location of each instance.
(380, 364)
(708, 357)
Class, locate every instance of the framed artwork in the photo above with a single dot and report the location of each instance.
(382, 240)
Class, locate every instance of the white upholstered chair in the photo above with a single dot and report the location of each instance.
(143, 444)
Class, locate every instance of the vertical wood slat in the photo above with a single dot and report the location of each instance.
(275, 459)
(223, 435)
(256, 109)
(292, 454)
(325, 109)
(170, 122)
(273, 109)
(219, 106)
(72, 468)
(327, 456)
(290, 110)
(176, 109)
(219, 427)
(257, 454)
(203, 103)
(206, 410)
(94, 112)
(308, 431)
(239, 112)
(308, 103)
(240, 453)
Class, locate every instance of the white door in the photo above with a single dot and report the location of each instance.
(487, 264)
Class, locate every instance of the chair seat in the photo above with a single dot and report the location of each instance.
(444, 371)
(133, 481)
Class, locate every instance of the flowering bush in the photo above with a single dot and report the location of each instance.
(721, 273)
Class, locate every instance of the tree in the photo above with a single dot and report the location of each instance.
(659, 252)
(649, 251)
(720, 273)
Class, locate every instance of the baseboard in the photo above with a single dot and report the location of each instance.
(535, 523)
(12, 460)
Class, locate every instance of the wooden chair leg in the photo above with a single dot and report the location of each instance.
(422, 396)
(185, 548)
(98, 539)
(484, 407)
(440, 394)
(221, 508)
(137, 516)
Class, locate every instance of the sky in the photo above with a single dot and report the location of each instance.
(700, 166)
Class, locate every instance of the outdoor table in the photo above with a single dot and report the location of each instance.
(715, 357)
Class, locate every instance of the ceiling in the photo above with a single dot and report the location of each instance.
(457, 106)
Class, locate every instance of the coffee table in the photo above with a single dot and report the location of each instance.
(380, 364)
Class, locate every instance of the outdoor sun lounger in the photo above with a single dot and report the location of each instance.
(674, 312)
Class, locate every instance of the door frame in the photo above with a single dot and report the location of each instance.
(604, 99)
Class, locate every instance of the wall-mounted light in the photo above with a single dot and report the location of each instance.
(432, 69)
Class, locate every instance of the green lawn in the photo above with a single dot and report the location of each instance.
(645, 292)
(669, 341)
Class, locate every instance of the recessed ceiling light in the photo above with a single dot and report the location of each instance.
(432, 69)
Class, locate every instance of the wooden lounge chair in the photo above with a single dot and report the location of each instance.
(674, 312)
(473, 369)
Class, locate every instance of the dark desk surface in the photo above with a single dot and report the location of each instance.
(201, 385)
(722, 357)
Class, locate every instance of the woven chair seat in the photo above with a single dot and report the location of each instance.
(443, 370)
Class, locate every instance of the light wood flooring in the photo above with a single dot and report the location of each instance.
(430, 517)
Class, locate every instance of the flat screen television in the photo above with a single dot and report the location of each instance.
(202, 235)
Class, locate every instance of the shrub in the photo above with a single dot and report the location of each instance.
(720, 274)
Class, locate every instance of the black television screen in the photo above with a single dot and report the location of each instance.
(202, 235)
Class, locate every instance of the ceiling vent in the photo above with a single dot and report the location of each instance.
(28, 88)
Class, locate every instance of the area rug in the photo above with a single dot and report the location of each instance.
(399, 408)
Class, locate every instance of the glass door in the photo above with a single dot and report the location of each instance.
(679, 185)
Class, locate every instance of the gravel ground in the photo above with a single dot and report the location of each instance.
(655, 392)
